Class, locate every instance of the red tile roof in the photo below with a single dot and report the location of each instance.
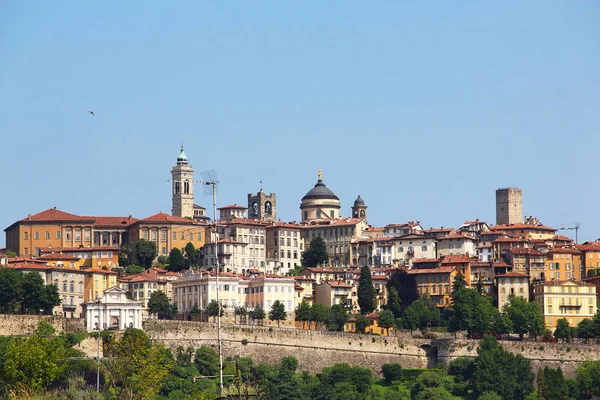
(232, 206)
(456, 235)
(439, 270)
(53, 214)
(513, 274)
(564, 250)
(162, 217)
(338, 284)
(558, 282)
(113, 221)
(77, 249)
(425, 260)
(57, 256)
(510, 240)
(523, 226)
(590, 246)
(456, 259)
(525, 251)
(442, 229)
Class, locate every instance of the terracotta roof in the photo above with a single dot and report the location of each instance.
(279, 224)
(53, 214)
(451, 259)
(510, 240)
(442, 229)
(501, 264)
(484, 246)
(560, 282)
(481, 264)
(77, 249)
(456, 235)
(523, 251)
(562, 238)
(15, 260)
(564, 250)
(298, 287)
(521, 226)
(57, 256)
(375, 229)
(232, 206)
(590, 246)
(332, 222)
(113, 221)
(99, 271)
(338, 284)
(513, 274)
(425, 260)
(373, 239)
(162, 217)
(494, 232)
(439, 270)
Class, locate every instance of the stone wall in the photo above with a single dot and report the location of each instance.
(315, 349)
(13, 324)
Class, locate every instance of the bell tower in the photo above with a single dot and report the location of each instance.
(182, 177)
(262, 206)
(359, 209)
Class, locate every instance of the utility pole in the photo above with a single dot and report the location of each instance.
(98, 370)
(214, 190)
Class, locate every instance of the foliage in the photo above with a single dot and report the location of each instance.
(406, 288)
(319, 313)
(386, 319)
(277, 312)
(258, 313)
(337, 316)
(207, 361)
(10, 290)
(191, 254)
(462, 368)
(470, 311)
(26, 293)
(501, 324)
(162, 260)
(491, 395)
(10, 254)
(315, 254)
(214, 309)
(303, 312)
(176, 260)
(137, 367)
(563, 330)
(499, 370)
(526, 317)
(145, 252)
(588, 377)
(361, 323)
(367, 297)
(430, 385)
(242, 311)
(296, 270)
(420, 314)
(554, 386)
(391, 372)
(134, 269)
(394, 304)
(459, 283)
(342, 381)
(282, 385)
(195, 310)
(159, 305)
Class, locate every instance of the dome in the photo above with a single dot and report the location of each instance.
(320, 191)
(359, 202)
(182, 157)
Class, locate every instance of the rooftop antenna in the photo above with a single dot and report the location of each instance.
(210, 181)
(261, 185)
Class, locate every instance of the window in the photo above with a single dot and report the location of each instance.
(154, 236)
(318, 213)
(72, 287)
(182, 235)
(36, 235)
(401, 249)
(191, 237)
(174, 235)
(68, 235)
(77, 235)
(145, 235)
(26, 250)
(47, 235)
(64, 286)
(423, 248)
(163, 236)
(25, 235)
(332, 214)
(199, 236)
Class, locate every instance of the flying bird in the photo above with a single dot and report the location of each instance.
(91, 112)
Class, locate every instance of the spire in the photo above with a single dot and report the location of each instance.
(182, 159)
(320, 175)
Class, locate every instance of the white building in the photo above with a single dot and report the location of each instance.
(409, 247)
(113, 310)
(410, 227)
(456, 244)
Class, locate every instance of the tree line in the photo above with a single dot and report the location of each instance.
(26, 293)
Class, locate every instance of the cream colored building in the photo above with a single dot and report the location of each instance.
(334, 292)
(456, 244)
(285, 244)
(410, 247)
(573, 300)
(511, 284)
(235, 291)
(338, 235)
(409, 228)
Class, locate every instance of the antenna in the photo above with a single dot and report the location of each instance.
(573, 226)
(210, 181)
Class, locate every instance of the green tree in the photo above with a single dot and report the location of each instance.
(459, 283)
(406, 288)
(491, 395)
(462, 368)
(10, 254)
(145, 252)
(214, 309)
(319, 313)
(585, 329)
(391, 372)
(137, 368)
(342, 381)
(367, 297)
(540, 380)
(10, 290)
(195, 310)
(283, 386)
(432, 385)
(361, 323)
(36, 296)
(501, 324)
(277, 312)
(159, 305)
(296, 270)
(386, 320)
(336, 318)
(316, 254)
(555, 384)
(304, 312)
(161, 260)
(526, 317)
(176, 260)
(50, 299)
(410, 319)
(242, 311)
(207, 361)
(499, 370)
(128, 255)
(394, 304)
(191, 254)
(588, 377)
(563, 330)
(258, 314)
(134, 269)
(471, 312)
(479, 287)
(421, 314)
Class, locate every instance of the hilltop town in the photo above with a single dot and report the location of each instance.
(124, 261)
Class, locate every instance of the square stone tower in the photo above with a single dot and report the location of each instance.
(509, 206)
(262, 206)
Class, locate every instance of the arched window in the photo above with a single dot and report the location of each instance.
(177, 188)
(72, 287)
(362, 213)
(64, 286)
(268, 208)
(186, 187)
(355, 213)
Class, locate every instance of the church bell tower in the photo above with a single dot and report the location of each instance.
(182, 177)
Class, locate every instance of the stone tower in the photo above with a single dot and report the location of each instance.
(509, 206)
(359, 209)
(182, 177)
(262, 206)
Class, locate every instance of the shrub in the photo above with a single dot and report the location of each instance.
(391, 372)
(244, 341)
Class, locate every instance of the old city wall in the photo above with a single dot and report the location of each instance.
(316, 350)
(11, 324)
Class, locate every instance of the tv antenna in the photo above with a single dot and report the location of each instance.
(573, 226)
(210, 181)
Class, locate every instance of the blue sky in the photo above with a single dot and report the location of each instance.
(422, 108)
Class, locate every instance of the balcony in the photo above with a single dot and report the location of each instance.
(69, 307)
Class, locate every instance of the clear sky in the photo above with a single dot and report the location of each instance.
(422, 108)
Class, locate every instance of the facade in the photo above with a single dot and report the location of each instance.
(509, 285)
(564, 263)
(590, 256)
(456, 244)
(338, 235)
(373, 251)
(435, 283)
(200, 213)
(242, 245)
(285, 245)
(113, 311)
(320, 203)
(232, 211)
(234, 291)
(409, 228)
(262, 206)
(573, 300)
(410, 247)
(182, 177)
(509, 206)
(334, 292)
(532, 228)
(527, 261)
(86, 257)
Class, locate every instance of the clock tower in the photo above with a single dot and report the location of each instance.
(182, 178)
(262, 206)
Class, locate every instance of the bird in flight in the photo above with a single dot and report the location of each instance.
(91, 112)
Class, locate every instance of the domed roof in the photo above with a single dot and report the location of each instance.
(320, 191)
(359, 202)
(182, 157)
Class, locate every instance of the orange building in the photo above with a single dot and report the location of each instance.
(590, 255)
(436, 283)
(564, 263)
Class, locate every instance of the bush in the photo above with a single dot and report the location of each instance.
(244, 341)
(391, 372)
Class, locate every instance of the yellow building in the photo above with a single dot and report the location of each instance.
(563, 263)
(88, 257)
(531, 262)
(571, 299)
(373, 328)
(436, 283)
(97, 281)
(511, 284)
(169, 232)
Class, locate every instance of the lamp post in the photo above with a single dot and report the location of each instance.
(98, 358)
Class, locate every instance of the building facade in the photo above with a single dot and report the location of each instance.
(113, 311)
(262, 206)
(320, 203)
(572, 300)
